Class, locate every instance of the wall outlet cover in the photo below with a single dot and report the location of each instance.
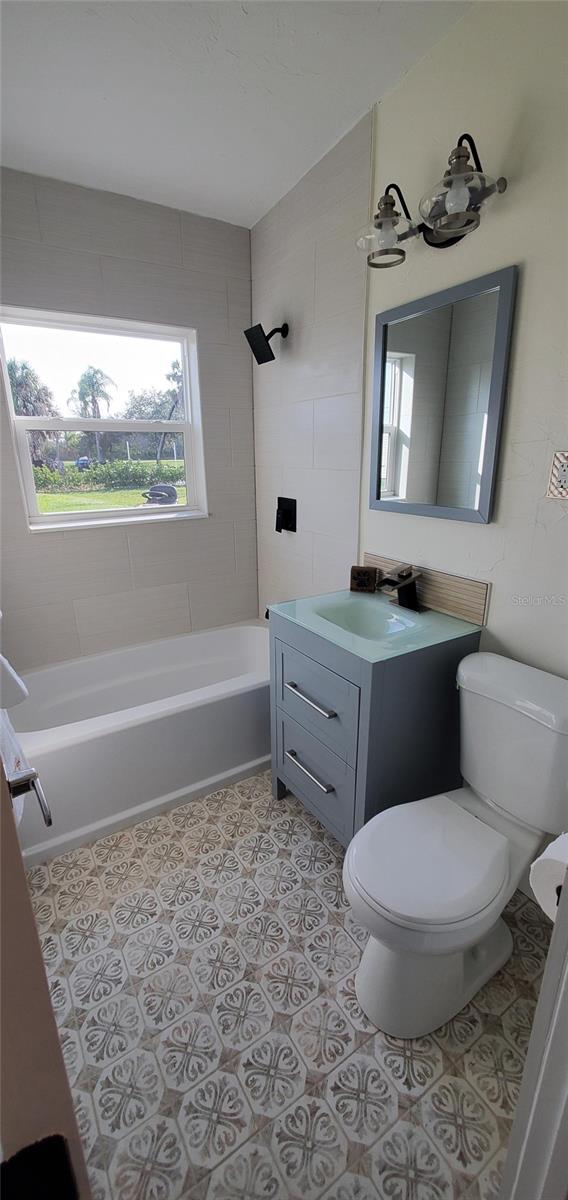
(558, 482)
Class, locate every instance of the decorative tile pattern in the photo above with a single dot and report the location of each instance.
(202, 967)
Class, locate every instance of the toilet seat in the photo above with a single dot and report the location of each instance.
(428, 864)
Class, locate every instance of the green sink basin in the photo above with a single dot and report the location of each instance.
(363, 616)
(371, 626)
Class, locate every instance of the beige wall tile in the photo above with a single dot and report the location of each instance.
(79, 218)
(42, 634)
(18, 206)
(111, 255)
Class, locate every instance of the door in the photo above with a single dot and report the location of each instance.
(35, 1097)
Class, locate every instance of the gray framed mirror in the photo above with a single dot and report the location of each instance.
(439, 392)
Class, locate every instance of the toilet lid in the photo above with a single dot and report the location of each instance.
(429, 861)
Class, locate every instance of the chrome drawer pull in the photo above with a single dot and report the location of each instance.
(328, 713)
(324, 787)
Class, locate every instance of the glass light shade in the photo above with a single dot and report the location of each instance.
(381, 240)
(452, 206)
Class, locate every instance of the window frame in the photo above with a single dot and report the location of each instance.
(190, 426)
(392, 429)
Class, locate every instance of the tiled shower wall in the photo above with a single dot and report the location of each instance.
(73, 249)
(308, 403)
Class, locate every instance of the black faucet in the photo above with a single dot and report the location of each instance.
(402, 580)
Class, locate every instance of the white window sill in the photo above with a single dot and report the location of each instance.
(96, 521)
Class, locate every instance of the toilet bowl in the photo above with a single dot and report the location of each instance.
(429, 880)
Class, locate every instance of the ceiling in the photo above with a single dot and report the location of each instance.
(217, 108)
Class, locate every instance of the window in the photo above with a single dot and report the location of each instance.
(105, 416)
(397, 422)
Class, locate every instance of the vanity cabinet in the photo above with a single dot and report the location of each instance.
(350, 736)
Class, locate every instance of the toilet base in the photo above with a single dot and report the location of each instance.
(409, 995)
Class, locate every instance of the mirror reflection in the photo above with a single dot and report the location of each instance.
(437, 377)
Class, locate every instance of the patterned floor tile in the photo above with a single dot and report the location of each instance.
(249, 1174)
(309, 1147)
(114, 848)
(215, 1118)
(352, 1187)
(150, 1164)
(517, 1023)
(496, 1070)
(272, 1074)
(196, 924)
(332, 953)
(86, 934)
(322, 1034)
(98, 977)
(135, 911)
(179, 888)
(239, 899)
(86, 1121)
(203, 970)
(128, 1092)
(52, 951)
(111, 1030)
(457, 1035)
(217, 966)
(303, 913)
(38, 879)
(70, 867)
(278, 879)
(407, 1165)
(460, 1125)
(150, 949)
(242, 1014)
(289, 982)
(72, 1054)
(412, 1064)
(362, 1098)
(261, 938)
(188, 1050)
(346, 997)
(167, 995)
(256, 849)
(489, 1182)
(78, 896)
(122, 877)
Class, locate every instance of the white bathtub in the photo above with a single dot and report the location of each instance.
(118, 736)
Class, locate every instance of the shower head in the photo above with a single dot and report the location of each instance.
(259, 341)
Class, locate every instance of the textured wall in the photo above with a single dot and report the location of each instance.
(68, 593)
(308, 404)
(518, 119)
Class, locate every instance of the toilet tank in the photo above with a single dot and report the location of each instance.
(514, 738)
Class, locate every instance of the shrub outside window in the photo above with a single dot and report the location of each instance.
(105, 416)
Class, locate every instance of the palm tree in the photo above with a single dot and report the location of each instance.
(86, 399)
(31, 398)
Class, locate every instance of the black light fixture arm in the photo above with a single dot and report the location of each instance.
(466, 137)
(393, 187)
(283, 330)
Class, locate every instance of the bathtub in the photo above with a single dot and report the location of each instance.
(121, 735)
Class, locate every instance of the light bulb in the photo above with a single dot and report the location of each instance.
(457, 196)
(387, 235)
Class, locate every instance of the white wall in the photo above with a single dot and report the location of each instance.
(500, 75)
(308, 404)
(64, 594)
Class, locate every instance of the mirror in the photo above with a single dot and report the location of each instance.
(440, 377)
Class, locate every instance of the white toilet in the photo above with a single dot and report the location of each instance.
(429, 880)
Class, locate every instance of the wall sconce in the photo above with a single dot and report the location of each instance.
(449, 211)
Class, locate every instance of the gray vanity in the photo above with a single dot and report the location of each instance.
(364, 707)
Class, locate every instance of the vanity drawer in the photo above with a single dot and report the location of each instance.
(323, 702)
(317, 776)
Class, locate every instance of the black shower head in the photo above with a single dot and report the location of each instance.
(259, 341)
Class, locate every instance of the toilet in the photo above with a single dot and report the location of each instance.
(430, 879)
